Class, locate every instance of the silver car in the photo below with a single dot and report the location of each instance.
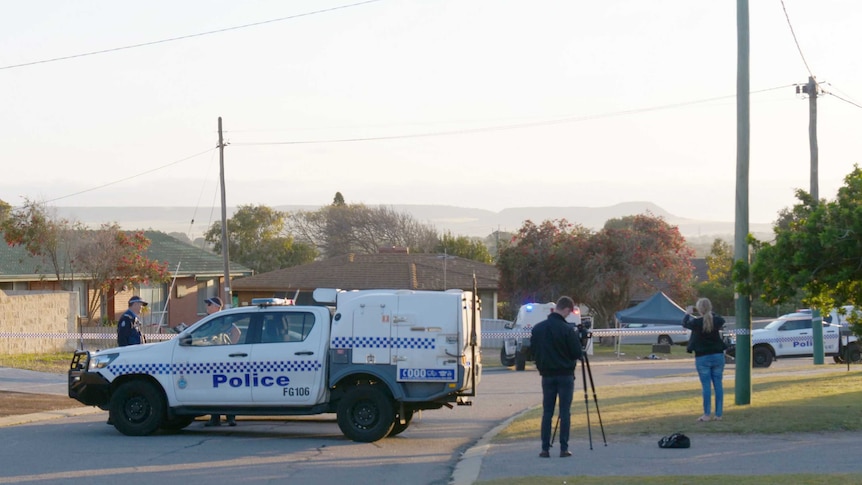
(653, 333)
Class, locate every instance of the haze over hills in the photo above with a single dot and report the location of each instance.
(460, 221)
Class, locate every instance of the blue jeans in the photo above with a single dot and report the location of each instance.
(710, 369)
(564, 387)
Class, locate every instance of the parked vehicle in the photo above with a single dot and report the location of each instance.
(516, 346)
(373, 360)
(654, 333)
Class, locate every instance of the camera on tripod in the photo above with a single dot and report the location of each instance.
(584, 333)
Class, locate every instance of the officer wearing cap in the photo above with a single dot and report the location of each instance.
(129, 326)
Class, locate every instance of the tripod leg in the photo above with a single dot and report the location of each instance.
(586, 401)
(554, 434)
(595, 399)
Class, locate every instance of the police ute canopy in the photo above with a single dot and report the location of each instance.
(374, 359)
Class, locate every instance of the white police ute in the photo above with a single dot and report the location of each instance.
(374, 359)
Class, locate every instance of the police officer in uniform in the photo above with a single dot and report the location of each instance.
(129, 326)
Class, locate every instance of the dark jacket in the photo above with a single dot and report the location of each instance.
(129, 329)
(704, 343)
(555, 346)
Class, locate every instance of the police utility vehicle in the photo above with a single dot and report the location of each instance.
(792, 335)
(374, 359)
(516, 345)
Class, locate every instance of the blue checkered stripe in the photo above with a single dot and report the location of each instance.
(383, 343)
(806, 339)
(218, 367)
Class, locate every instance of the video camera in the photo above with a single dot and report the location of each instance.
(584, 333)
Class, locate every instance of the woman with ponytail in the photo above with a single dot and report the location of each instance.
(708, 347)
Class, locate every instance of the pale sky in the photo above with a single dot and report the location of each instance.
(516, 103)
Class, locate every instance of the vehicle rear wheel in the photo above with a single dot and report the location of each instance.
(665, 340)
(399, 428)
(137, 408)
(506, 360)
(761, 357)
(520, 360)
(366, 414)
(176, 423)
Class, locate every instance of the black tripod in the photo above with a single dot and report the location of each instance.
(585, 371)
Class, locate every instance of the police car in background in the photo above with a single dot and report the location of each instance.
(516, 345)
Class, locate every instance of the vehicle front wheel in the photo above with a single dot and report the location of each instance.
(520, 360)
(366, 414)
(855, 354)
(137, 408)
(761, 357)
(505, 359)
(665, 340)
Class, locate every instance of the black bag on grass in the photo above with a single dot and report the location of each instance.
(676, 440)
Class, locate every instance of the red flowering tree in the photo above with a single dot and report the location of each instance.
(110, 259)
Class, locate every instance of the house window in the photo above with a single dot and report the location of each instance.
(206, 289)
(155, 313)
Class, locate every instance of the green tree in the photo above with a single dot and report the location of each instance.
(5, 211)
(816, 251)
(258, 239)
(43, 235)
(464, 247)
(719, 284)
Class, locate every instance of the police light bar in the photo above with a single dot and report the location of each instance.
(271, 302)
(529, 307)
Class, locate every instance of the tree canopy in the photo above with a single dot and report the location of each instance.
(258, 239)
(602, 270)
(817, 251)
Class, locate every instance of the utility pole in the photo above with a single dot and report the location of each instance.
(812, 90)
(224, 247)
(740, 247)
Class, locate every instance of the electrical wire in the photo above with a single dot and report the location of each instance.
(842, 99)
(506, 127)
(131, 176)
(793, 33)
(184, 37)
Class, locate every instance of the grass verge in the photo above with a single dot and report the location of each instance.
(57, 362)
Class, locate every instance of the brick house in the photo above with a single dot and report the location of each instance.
(196, 274)
(390, 270)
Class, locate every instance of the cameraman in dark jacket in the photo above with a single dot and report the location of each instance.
(556, 349)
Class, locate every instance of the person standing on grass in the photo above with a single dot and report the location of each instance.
(556, 348)
(708, 347)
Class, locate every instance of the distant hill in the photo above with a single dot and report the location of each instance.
(460, 221)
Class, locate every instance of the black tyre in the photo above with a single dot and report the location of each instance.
(838, 359)
(177, 423)
(366, 414)
(137, 408)
(506, 360)
(761, 357)
(520, 360)
(397, 427)
(855, 354)
(665, 340)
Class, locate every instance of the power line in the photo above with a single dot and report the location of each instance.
(184, 37)
(131, 176)
(796, 40)
(842, 99)
(506, 127)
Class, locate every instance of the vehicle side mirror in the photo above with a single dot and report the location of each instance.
(185, 341)
(509, 325)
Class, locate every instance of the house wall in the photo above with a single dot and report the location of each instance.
(29, 314)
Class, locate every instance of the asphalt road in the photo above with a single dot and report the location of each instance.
(305, 450)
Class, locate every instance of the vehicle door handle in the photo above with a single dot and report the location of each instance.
(238, 355)
(304, 352)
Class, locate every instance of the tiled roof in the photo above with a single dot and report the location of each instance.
(382, 270)
(16, 264)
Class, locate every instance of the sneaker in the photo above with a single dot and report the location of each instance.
(231, 421)
(213, 422)
(565, 454)
(545, 454)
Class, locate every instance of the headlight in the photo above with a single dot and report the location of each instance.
(102, 361)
